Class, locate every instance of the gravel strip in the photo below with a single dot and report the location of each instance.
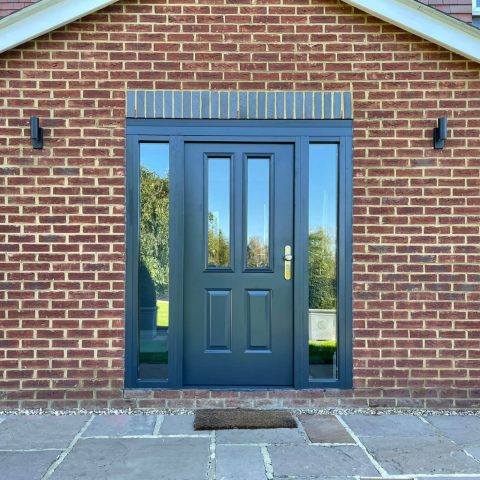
(419, 412)
(296, 411)
(102, 411)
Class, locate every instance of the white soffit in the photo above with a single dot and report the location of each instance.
(42, 17)
(426, 22)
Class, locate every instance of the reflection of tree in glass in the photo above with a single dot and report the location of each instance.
(154, 209)
(218, 244)
(322, 271)
(257, 253)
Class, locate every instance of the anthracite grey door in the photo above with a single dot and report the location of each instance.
(238, 294)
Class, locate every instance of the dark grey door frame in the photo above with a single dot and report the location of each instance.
(298, 132)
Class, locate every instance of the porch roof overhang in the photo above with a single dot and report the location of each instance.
(43, 17)
(426, 22)
(410, 15)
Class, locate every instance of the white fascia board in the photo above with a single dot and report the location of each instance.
(426, 22)
(42, 17)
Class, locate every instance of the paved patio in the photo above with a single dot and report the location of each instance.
(347, 447)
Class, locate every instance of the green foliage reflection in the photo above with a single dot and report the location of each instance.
(322, 270)
(257, 253)
(218, 244)
(322, 352)
(154, 219)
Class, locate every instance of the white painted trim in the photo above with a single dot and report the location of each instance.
(426, 22)
(43, 17)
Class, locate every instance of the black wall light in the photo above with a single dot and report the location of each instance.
(36, 133)
(440, 134)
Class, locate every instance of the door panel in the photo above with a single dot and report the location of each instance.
(219, 320)
(259, 319)
(238, 324)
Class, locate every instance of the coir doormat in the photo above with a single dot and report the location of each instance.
(223, 419)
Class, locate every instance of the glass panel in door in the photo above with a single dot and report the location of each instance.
(218, 212)
(258, 213)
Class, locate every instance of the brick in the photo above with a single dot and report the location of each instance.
(62, 218)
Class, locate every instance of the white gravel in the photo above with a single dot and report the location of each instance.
(311, 411)
(419, 412)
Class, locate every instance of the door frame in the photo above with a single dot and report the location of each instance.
(300, 133)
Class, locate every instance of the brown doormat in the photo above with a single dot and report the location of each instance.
(218, 419)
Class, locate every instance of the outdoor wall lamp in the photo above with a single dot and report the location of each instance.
(36, 133)
(440, 134)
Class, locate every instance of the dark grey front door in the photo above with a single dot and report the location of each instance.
(238, 297)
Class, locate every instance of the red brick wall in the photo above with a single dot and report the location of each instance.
(416, 216)
(10, 6)
(461, 9)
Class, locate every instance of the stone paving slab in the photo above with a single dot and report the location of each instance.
(136, 458)
(462, 430)
(389, 478)
(39, 432)
(420, 455)
(474, 452)
(388, 426)
(234, 462)
(311, 460)
(324, 429)
(404, 445)
(318, 478)
(120, 425)
(180, 425)
(26, 465)
(449, 478)
(267, 435)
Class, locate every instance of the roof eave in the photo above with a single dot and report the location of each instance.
(43, 17)
(426, 22)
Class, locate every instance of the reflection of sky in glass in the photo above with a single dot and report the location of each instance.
(219, 195)
(322, 211)
(258, 198)
(154, 157)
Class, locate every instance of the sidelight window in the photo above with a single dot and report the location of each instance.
(153, 269)
(322, 261)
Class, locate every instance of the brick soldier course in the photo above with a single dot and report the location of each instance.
(416, 310)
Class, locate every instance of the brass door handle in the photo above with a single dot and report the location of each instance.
(287, 258)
